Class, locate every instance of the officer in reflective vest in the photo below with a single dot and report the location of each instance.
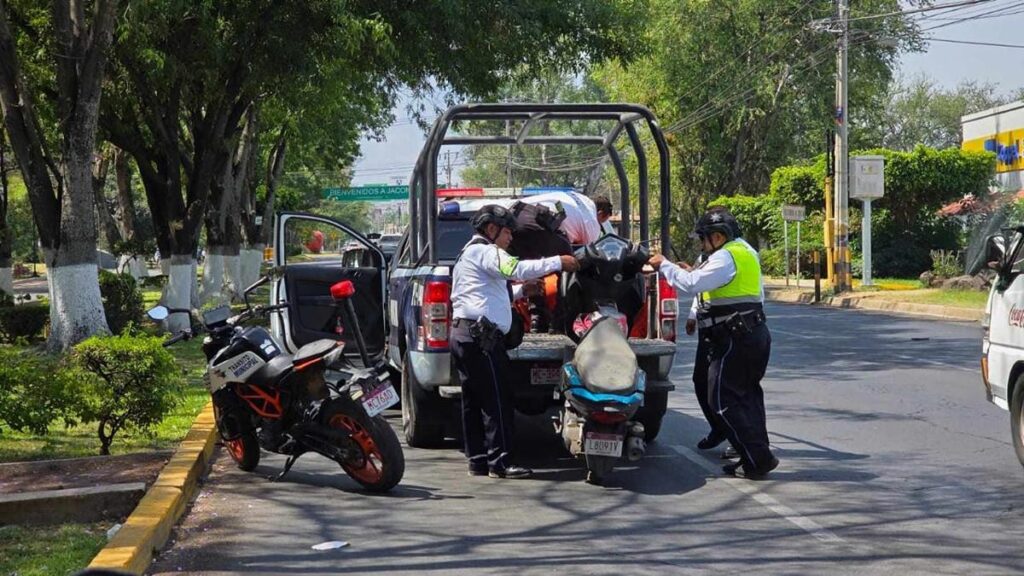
(733, 325)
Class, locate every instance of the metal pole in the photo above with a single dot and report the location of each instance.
(797, 253)
(817, 275)
(785, 232)
(842, 201)
(508, 159)
(866, 243)
(830, 213)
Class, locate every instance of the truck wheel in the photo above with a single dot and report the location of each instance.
(422, 414)
(652, 412)
(1017, 418)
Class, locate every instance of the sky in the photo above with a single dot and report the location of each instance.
(390, 161)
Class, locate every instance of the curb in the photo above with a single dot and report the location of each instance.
(45, 507)
(149, 525)
(933, 311)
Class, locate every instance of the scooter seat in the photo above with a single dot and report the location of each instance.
(272, 373)
(314, 350)
(604, 360)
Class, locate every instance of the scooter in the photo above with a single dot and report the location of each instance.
(602, 386)
(314, 401)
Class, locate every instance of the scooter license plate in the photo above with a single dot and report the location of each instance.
(598, 444)
(380, 399)
(540, 376)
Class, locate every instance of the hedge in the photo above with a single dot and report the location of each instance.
(26, 321)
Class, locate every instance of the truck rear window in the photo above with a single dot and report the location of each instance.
(452, 235)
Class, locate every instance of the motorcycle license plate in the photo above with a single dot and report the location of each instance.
(545, 376)
(380, 399)
(598, 444)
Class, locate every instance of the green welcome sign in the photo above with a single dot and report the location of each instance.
(370, 193)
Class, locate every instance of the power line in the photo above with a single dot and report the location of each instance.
(915, 11)
(975, 43)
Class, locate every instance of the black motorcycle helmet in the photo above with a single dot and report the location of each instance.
(493, 214)
(717, 219)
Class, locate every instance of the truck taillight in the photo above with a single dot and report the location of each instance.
(668, 309)
(435, 313)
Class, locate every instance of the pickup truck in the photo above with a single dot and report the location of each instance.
(419, 277)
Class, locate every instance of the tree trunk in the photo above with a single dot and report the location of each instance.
(251, 258)
(178, 292)
(103, 213)
(124, 215)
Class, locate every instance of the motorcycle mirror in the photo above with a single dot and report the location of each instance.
(158, 313)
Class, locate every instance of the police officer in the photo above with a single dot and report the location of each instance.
(737, 335)
(482, 315)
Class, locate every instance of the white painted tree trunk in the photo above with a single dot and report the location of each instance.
(76, 310)
(7, 280)
(196, 302)
(252, 259)
(178, 292)
(165, 266)
(134, 265)
(221, 277)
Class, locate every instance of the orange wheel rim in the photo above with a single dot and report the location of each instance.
(369, 468)
(236, 448)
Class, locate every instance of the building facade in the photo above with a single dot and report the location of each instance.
(999, 130)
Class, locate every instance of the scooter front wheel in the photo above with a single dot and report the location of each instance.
(378, 463)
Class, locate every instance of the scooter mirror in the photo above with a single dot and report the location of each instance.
(158, 313)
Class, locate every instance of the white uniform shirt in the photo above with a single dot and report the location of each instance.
(607, 228)
(717, 271)
(580, 224)
(480, 279)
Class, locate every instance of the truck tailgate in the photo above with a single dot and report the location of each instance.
(559, 348)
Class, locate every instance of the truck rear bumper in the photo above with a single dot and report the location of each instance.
(431, 369)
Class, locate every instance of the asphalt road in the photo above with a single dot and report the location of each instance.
(892, 462)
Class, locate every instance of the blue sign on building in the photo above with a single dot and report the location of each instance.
(1005, 153)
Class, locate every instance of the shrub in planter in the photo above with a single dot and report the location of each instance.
(122, 300)
(130, 382)
(34, 391)
(26, 321)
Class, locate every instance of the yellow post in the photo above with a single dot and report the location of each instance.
(830, 256)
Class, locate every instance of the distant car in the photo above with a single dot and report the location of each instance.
(388, 244)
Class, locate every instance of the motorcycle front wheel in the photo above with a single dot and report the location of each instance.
(378, 463)
(244, 450)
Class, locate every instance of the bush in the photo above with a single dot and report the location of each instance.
(34, 391)
(130, 382)
(122, 300)
(26, 321)
(945, 263)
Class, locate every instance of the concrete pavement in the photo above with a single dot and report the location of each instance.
(892, 461)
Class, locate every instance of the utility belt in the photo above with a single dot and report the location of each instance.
(734, 324)
(485, 333)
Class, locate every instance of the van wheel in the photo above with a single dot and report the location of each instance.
(652, 413)
(1017, 417)
(422, 414)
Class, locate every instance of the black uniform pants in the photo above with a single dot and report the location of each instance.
(702, 386)
(488, 410)
(738, 363)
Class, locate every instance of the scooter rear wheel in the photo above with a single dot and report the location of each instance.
(379, 463)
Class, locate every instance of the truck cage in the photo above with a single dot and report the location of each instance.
(423, 183)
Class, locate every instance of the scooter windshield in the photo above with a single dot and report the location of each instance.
(604, 359)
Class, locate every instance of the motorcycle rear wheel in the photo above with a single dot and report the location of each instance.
(380, 463)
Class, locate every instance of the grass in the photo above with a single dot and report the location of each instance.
(81, 440)
(958, 298)
(49, 550)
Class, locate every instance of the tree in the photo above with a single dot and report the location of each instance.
(744, 86)
(60, 187)
(919, 112)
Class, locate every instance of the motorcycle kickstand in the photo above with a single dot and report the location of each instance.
(287, 466)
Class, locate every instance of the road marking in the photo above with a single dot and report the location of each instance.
(939, 363)
(746, 487)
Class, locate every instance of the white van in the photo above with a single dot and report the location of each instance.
(1002, 358)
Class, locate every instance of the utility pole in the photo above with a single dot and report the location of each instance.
(830, 220)
(448, 168)
(508, 159)
(841, 277)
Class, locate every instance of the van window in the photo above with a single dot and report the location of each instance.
(452, 236)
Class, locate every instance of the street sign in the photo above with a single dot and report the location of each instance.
(376, 193)
(791, 213)
(867, 177)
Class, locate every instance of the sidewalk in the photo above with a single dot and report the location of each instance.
(777, 291)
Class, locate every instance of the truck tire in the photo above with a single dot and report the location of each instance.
(652, 413)
(422, 414)
(1017, 418)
